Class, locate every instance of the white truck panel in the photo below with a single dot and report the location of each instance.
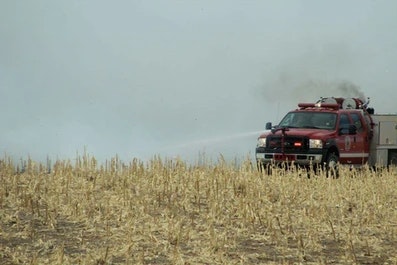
(383, 150)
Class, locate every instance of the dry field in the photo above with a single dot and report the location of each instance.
(170, 212)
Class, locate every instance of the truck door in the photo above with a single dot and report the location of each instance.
(343, 140)
(360, 141)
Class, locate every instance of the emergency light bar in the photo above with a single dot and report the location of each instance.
(319, 105)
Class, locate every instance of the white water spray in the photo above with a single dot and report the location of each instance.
(196, 144)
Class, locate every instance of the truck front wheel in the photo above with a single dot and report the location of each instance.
(331, 166)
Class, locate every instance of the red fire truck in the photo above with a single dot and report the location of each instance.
(330, 132)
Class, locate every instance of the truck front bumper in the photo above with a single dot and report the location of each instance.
(299, 159)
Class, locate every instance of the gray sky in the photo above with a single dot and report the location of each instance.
(139, 78)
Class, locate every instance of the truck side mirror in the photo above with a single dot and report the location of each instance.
(348, 129)
(268, 126)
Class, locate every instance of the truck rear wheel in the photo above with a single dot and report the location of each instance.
(331, 166)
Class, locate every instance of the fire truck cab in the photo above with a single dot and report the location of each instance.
(329, 132)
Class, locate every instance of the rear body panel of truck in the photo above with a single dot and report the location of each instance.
(383, 150)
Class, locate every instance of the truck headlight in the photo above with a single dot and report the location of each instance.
(261, 142)
(315, 143)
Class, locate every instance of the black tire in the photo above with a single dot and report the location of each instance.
(331, 166)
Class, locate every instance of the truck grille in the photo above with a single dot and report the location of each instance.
(291, 143)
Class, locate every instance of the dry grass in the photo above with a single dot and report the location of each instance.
(169, 212)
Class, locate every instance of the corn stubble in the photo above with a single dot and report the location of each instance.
(169, 212)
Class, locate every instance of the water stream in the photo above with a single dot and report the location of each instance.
(197, 144)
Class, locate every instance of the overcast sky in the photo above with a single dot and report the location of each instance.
(138, 78)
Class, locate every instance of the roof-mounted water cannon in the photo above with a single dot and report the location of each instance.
(368, 109)
(366, 103)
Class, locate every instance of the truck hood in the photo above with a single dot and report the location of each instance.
(311, 133)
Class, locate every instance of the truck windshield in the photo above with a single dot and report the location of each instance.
(313, 120)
